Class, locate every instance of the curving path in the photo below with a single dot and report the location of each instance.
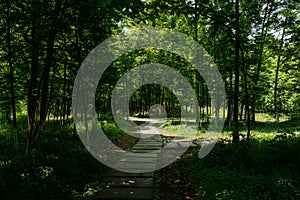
(122, 185)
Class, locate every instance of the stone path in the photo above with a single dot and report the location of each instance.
(123, 185)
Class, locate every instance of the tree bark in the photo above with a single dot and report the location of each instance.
(64, 99)
(242, 111)
(161, 98)
(207, 106)
(229, 101)
(263, 34)
(276, 75)
(247, 110)
(235, 134)
(33, 93)
(11, 78)
(196, 71)
(36, 126)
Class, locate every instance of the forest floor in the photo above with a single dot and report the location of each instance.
(60, 167)
(252, 169)
(172, 182)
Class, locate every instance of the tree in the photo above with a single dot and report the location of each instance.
(235, 134)
(11, 75)
(37, 119)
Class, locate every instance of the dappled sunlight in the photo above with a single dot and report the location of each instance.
(150, 99)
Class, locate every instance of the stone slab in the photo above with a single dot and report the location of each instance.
(143, 155)
(124, 193)
(127, 182)
(145, 151)
(149, 144)
(138, 166)
(116, 173)
(145, 148)
(139, 159)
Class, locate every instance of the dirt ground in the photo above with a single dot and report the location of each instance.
(173, 182)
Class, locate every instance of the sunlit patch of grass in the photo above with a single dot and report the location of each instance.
(265, 117)
(188, 132)
(166, 132)
(263, 128)
(179, 130)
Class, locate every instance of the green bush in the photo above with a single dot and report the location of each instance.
(111, 130)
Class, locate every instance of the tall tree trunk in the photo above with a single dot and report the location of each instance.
(196, 71)
(275, 90)
(247, 110)
(35, 128)
(11, 77)
(64, 99)
(77, 32)
(203, 99)
(52, 102)
(33, 93)
(229, 101)
(161, 98)
(276, 75)
(172, 110)
(196, 100)
(242, 110)
(141, 102)
(235, 133)
(264, 31)
(207, 106)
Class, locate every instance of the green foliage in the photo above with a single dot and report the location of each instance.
(48, 47)
(255, 169)
(111, 130)
(58, 168)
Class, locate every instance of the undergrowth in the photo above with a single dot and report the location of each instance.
(59, 166)
(255, 169)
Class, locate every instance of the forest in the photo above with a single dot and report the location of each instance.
(254, 46)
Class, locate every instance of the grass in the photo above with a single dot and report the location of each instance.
(257, 169)
(266, 167)
(263, 128)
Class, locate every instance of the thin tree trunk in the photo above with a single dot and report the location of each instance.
(224, 108)
(64, 99)
(161, 98)
(207, 106)
(242, 111)
(247, 110)
(172, 110)
(275, 90)
(33, 94)
(263, 34)
(51, 102)
(35, 129)
(229, 101)
(196, 71)
(235, 133)
(141, 102)
(276, 75)
(11, 77)
(203, 99)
